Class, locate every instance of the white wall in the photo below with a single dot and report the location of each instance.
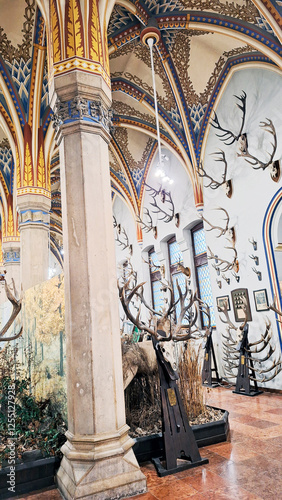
(252, 189)
(252, 192)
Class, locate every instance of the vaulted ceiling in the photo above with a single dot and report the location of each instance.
(202, 42)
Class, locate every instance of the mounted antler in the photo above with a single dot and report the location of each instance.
(222, 230)
(17, 305)
(213, 184)
(225, 135)
(162, 326)
(259, 164)
(124, 244)
(147, 227)
(165, 198)
(228, 266)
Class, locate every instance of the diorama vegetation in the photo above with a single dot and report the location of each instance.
(39, 424)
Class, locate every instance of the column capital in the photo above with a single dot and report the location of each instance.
(33, 210)
(82, 113)
(11, 252)
(81, 101)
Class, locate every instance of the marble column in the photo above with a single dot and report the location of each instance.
(11, 262)
(98, 461)
(34, 222)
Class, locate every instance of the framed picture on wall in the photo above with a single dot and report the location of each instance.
(222, 301)
(261, 300)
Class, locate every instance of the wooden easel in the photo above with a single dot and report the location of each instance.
(243, 382)
(209, 359)
(180, 447)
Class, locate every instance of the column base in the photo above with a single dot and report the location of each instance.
(89, 474)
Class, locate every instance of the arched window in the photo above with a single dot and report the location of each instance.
(176, 257)
(155, 278)
(202, 270)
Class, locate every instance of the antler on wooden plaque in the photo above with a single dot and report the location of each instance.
(222, 230)
(213, 184)
(226, 264)
(259, 164)
(147, 226)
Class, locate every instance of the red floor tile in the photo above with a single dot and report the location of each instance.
(248, 467)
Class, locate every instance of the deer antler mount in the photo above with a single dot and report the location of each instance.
(213, 184)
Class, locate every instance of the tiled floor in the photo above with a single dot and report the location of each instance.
(249, 467)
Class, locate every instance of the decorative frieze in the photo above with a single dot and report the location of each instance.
(79, 108)
(10, 256)
(27, 217)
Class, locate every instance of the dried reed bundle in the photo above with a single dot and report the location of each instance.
(190, 380)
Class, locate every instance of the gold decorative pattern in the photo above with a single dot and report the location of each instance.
(74, 30)
(141, 52)
(55, 32)
(10, 229)
(33, 190)
(83, 64)
(3, 224)
(95, 49)
(41, 169)
(28, 177)
(18, 169)
(180, 55)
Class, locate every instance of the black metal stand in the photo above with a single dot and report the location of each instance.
(243, 382)
(180, 447)
(209, 359)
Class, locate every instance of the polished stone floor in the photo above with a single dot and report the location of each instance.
(248, 467)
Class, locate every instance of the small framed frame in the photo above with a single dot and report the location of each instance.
(222, 301)
(261, 300)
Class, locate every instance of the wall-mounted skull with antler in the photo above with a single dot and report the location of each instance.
(256, 163)
(213, 184)
(162, 205)
(228, 232)
(148, 225)
(121, 237)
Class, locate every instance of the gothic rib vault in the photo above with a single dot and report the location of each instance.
(202, 42)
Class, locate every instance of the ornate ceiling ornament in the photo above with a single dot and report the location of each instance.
(120, 108)
(247, 12)
(121, 137)
(8, 51)
(4, 144)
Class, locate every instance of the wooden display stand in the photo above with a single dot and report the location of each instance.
(209, 360)
(243, 382)
(180, 447)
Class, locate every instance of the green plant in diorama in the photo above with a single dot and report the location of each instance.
(38, 424)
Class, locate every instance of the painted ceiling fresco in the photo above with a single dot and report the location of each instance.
(202, 41)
